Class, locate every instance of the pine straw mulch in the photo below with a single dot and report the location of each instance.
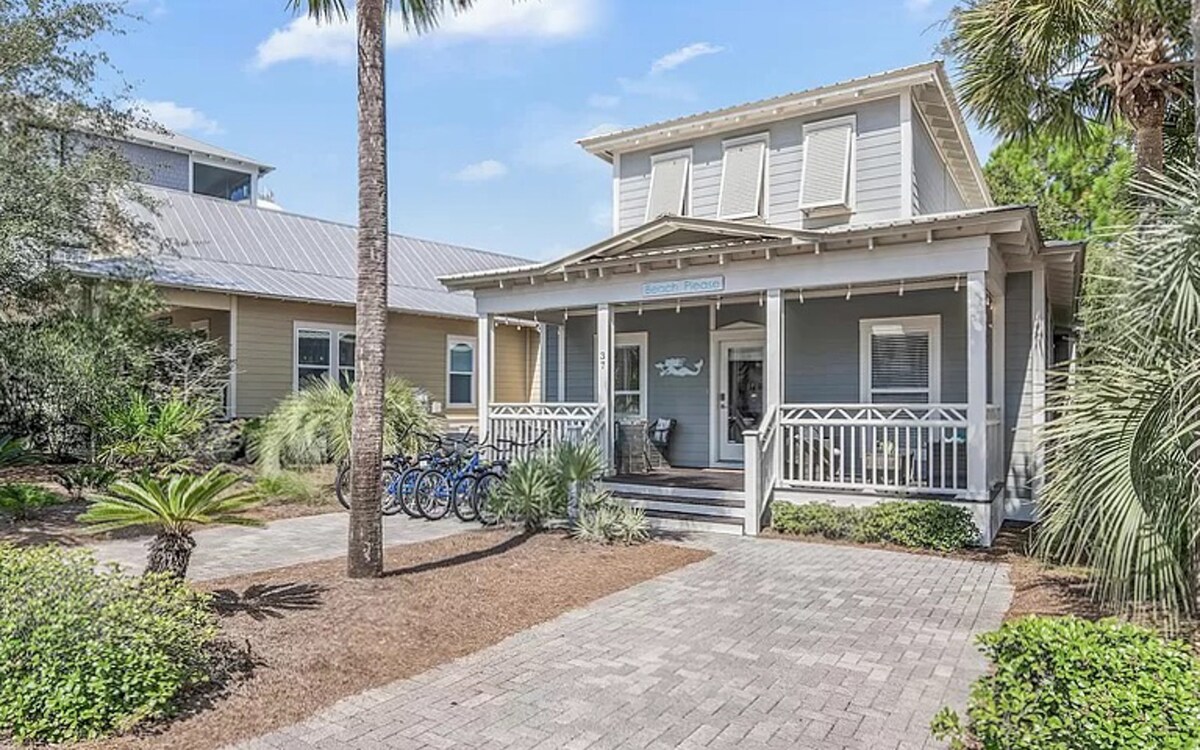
(314, 636)
(1038, 588)
(59, 524)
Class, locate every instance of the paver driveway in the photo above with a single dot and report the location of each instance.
(768, 643)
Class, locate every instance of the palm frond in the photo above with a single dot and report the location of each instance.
(177, 504)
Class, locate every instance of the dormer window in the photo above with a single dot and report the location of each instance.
(669, 176)
(742, 177)
(826, 180)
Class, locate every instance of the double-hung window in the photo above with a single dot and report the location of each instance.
(743, 170)
(460, 371)
(323, 351)
(900, 360)
(669, 175)
(629, 375)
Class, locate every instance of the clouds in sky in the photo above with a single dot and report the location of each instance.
(179, 118)
(684, 55)
(482, 171)
(917, 6)
(305, 39)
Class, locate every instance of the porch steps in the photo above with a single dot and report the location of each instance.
(685, 509)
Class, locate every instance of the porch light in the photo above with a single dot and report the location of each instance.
(639, 309)
(901, 287)
(718, 303)
(566, 315)
(801, 296)
(957, 281)
(677, 307)
(848, 292)
(760, 299)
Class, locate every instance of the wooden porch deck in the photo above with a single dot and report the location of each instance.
(692, 479)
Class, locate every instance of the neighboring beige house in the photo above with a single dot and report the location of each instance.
(279, 288)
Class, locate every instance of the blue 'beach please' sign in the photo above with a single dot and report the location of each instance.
(681, 287)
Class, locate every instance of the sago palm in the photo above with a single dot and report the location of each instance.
(1056, 66)
(174, 508)
(1122, 492)
(365, 544)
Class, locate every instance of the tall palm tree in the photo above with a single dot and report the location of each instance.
(365, 546)
(1054, 66)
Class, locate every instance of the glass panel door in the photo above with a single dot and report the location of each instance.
(741, 395)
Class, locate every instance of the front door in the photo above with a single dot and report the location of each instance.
(739, 395)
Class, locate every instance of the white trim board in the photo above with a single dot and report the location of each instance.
(334, 330)
(740, 331)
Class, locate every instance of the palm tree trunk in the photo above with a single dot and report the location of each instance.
(1194, 579)
(170, 553)
(365, 549)
(1196, 73)
(1148, 122)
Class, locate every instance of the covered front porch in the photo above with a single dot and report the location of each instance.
(801, 367)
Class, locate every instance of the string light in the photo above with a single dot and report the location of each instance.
(718, 303)
(677, 306)
(802, 295)
(639, 309)
(957, 279)
(848, 292)
(901, 287)
(760, 299)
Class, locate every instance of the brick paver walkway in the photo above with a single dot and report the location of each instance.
(233, 550)
(768, 643)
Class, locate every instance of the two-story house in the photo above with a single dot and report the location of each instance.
(819, 294)
(278, 288)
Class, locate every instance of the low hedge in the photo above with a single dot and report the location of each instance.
(86, 653)
(1066, 683)
(927, 524)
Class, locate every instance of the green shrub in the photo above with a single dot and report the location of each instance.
(18, 500)
(143, 434)
(1065, 683)
(14, 452)
(531, 494)
(288, 487)
(815, 519)
(607, 521)
(312, 426)
(77, 480)
(85, 653)
(930, 524)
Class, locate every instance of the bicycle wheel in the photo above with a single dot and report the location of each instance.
(463, 498)
(406, 492)
(485, 489)
(390, 503)
(341, 488)
(433, 494)
(341, 485)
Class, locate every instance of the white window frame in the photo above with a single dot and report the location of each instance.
(763, 170)
(687, 180)
(451, 342)
(930, 324)
(851, 186)
(335, 330)
(641, 340)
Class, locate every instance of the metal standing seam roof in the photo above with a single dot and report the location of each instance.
(235, 248)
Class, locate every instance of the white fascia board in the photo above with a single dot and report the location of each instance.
(914, 260)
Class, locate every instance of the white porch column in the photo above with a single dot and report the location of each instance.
(484, 338)
(998, 390)
(1037, 373)
(773, 374)
(561, 365)
(604, 347)
(977, 393)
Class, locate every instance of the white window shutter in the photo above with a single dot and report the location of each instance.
(742, 180)
(668, 185)
(827, 164)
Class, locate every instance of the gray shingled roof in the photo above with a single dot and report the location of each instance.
(230, 247)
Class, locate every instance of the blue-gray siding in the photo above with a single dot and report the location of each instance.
(877, 171)
(156, 166)
(821, 343)
(550, 343)
(934, 190)
(1018, 401)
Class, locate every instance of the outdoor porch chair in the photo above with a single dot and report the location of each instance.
(658, 442)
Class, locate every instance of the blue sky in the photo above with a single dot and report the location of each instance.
(484, 113)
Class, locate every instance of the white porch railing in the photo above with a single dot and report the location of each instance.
(996, 448)
(546, 424)
(897, 447)
(762, 454)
